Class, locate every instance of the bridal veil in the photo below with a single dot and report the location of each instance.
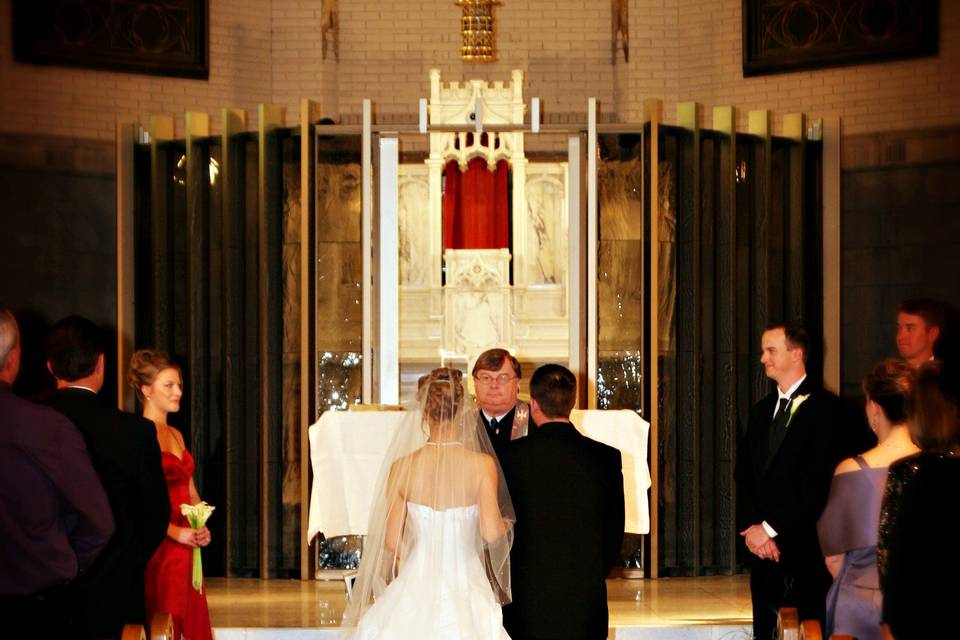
(439, 466)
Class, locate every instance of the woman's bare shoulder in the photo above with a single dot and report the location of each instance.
(847, 465)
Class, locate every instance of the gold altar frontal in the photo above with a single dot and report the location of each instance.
(689, 608)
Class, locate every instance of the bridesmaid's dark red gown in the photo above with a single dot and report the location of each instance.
(169, 574)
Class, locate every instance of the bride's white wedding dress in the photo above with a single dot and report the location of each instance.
(441, 590)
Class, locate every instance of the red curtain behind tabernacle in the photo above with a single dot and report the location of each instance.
(476, 207)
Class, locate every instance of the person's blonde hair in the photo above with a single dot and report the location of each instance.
(145, 366)
(442, 393)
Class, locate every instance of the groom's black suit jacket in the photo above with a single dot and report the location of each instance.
(126, 456)
(567, 491)
(787, 485)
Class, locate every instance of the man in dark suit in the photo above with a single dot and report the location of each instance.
(496, 377)
(567, 492)
(795, 438)
(126, 456)
(54, 514)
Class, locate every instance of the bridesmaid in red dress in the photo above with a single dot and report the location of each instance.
(158, 384)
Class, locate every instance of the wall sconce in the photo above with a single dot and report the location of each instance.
(476, 30)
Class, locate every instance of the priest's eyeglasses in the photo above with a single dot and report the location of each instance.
(486, 379)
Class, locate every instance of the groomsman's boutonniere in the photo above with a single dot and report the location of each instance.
(794, 405)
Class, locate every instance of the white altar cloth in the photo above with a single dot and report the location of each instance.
(348, 448)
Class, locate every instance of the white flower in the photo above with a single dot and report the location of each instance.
(794, 405)
(197, 514)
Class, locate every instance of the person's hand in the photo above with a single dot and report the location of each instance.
(769, 551)
(185, 535)
(201, 536)
(193, 537)
(755, 537)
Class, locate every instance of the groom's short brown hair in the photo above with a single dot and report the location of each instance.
(554, 388)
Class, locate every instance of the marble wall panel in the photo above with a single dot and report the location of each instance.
(546, 233)
(414, 221)
(478, 321)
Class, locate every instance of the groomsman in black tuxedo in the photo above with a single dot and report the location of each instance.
(567, 492)
(795, 438)
(125, 453)
(496, 376)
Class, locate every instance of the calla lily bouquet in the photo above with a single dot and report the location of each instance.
(197, 515)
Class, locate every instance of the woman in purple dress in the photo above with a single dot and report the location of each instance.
(849, 523)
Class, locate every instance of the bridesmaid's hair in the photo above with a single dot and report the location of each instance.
(934, 408)
(889, 384)
(145, 365)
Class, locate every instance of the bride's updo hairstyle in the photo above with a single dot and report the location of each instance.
(145, 365)
(441, 392)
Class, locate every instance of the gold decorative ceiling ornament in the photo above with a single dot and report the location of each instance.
(476, 30)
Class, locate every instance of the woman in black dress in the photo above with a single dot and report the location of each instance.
(917, 554)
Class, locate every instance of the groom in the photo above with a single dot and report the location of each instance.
(567, 492)
(795, 438)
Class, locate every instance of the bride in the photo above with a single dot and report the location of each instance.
(436, 557)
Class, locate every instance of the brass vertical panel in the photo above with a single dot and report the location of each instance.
(653, 114)
(832, 137)
(724, 121)
(161, 130)
(688, 117)
(270, 118)
(231, 239)
(126, 291)
(198, 286)
(309, 113)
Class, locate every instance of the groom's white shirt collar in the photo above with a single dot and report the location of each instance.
(789, 393)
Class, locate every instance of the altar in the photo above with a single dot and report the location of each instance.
(347, 449)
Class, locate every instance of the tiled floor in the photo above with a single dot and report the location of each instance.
(714, 608)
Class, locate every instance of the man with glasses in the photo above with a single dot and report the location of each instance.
(496, 375)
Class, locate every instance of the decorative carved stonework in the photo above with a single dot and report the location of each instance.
(475, 305)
